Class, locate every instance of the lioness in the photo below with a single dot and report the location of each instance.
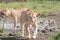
(27, 17)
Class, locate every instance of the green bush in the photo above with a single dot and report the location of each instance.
(55, 36)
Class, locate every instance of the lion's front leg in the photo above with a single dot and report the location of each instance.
(15, 23)
(29, 32)
(35, 30)
(22, 30)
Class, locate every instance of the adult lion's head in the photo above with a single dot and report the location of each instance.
(4, 13)
(32, 15)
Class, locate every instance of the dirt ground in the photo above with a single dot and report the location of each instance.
(45, 34)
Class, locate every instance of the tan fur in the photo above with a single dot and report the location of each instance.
(27, 17)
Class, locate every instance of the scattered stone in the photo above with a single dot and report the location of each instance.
(43, 15)
(51, 14)
(13, 31)
(0, 19)
(20, 30)
(12, 34)
(17, 26)
(41, 22)
(0, 34)
(58, 28)
(51, 30)
(38, 30)
(43, 31)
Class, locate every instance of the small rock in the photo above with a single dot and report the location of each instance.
(17, 26)
(38, 30)
(50, 30)
(43, 31)
(20, 30)
(0, 19)
(58, 28)
(53, 28)
(12, 34)
(0, 34)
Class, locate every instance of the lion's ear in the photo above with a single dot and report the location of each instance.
(4, 10)
(28, 10)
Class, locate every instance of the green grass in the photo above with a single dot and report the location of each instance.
(55, 36)
(46, 7)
